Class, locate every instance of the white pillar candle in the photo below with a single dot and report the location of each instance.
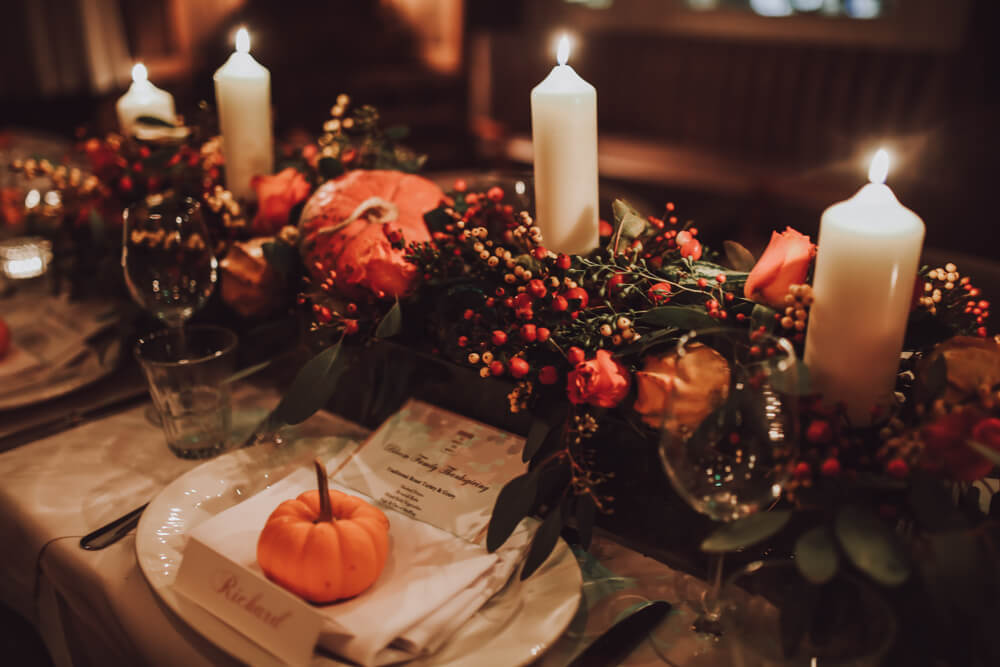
(564, 137)
(143, 99)
(243, 95)
(867, 261)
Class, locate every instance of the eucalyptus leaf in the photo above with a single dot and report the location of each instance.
(738, 257)
(514, 502)
(311, 389)
(816, 555)
(329, 167)
(762, 316)
(544, 542)
(871, 546)
(677, 317)
(396, 132)
(746, 531)
(794, 379)
(990, 455)
(543, 429)
(391, 323)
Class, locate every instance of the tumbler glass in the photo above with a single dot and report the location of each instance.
(190, 387)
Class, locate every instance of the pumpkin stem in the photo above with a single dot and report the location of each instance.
(325, 509)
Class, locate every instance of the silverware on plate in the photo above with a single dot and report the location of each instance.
(111, 532)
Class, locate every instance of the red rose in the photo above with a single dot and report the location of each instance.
(945, 445)
(602, 381)
(276, 196)
(785, 262)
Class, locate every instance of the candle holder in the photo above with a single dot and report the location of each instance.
(25, 258)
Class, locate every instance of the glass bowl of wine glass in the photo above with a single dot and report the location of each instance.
(170, 268)
(728, 435)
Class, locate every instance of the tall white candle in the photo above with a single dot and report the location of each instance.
(564, 135)
(869, 248)
(243, 95)
(143, 99)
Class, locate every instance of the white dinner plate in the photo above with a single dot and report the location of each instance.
(515, 627)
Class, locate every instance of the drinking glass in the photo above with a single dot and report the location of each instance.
(728, 431)
(190, 387)
(167, 257)
(842, 623)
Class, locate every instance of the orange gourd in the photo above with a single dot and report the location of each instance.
(324, 545)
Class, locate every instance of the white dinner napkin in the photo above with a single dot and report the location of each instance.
(46, 335)
(433, 581)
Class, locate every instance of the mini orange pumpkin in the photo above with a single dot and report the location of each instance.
(324, 545)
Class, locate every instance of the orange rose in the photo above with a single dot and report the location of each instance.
(602, 381)
(945, 448)
(249, 285)
(785, 262)
(673, 394)
(276, 196)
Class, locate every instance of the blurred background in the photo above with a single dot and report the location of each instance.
(748, 114)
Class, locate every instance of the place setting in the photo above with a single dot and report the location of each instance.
(494, 415)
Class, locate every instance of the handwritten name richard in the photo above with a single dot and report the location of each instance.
(230, 589)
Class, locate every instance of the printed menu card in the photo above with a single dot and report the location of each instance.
(437, 467)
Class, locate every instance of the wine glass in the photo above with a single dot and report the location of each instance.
(729, 431)
(167, 258)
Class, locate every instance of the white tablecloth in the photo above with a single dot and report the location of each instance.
(96, 608)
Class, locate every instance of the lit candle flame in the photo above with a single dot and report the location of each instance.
(562, 51)
(243, 40)
(879, 168)
(139, 73)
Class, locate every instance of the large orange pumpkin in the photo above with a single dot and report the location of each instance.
(344, 226)
(324, 545)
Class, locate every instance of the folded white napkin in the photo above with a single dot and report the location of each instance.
(46, 336)
(433, 581)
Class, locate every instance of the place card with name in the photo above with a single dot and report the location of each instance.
(437, 467)
(281, 623)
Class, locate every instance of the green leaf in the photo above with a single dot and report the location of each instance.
(247, 372)
(329, 167)
(514, 502)
(794, 380)
(391, 323)
(871, 546)
(816, 555)
(746, 531)
(629, 223)
(738, 257)
(990, 455)
(153, 121)
(544, 542)
(677, 317)
(762, 316)
(282, 257)
(436, 219)
(396, 132)
(311, 388)
(542, 429)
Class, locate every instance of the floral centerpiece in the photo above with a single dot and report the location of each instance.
(586, 343)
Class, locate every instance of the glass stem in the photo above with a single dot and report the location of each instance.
(714, 592)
